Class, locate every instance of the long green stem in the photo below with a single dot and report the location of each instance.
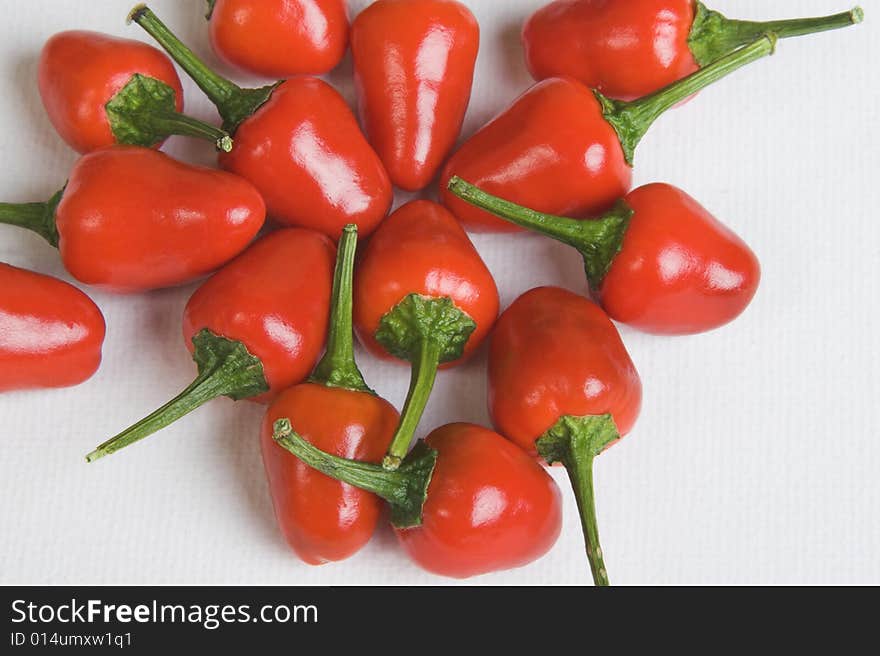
(144, 113)
(187, 126)
(575, 442)
(424, 373)
(580, 472)
(405, 489)
(713, 35)
(215, 86)
(37, 217)
(426, 332)
(234, 103)
(632, 119)
(226, 368)
(204, 388)
(338, 367)
(598, 240)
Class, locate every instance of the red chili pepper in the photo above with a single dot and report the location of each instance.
(297, 141)
(658, 261)
(562, 385)
(630, 48)
(422, 295)
(414, 68)
(323, 519)
(465, 502)
(100, 90)
(133, 219)
(255, 328)
(51, 333)
(279, 38)
(562, 148)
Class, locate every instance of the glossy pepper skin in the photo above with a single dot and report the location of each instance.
(562, 386)
(297, 141)
(551, 150)
(414, 69)
(464, 502)
(305, 152)
(324, 520)
(630, 48)
(658, 260)
(100, 90)
(133, 219)
(680, 271)
(555, 353)
(422, 295)
(422, 249)
(255, 328)
(51, 333)
(490, 506)
(279, 38)
(274, 298)
(565, 149)
(79, 72)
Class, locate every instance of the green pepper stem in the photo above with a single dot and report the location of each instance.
(575, 442)
(598, 240)
(170, 123)
(632, 119)
(713, 35)
(215, 86)
(226, 368)
(405, 489)
(204, 388)
(424, 373)
(425, 331)
(37, 217)
(234, 103)
(338, 367)
(144, 113)
(580, 473)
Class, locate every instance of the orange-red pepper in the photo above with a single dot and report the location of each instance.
(323, 519)
(255, 327)
(565, 149)
(414, 68)
(490, 507)
(51, 333)
(279, 38)
(562, 386)
(422, 295)
(100, 90)
(297, 141)
(133, 219)
(630, 48)
(465, 502)
(658, 261)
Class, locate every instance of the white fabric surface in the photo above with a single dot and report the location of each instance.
(756, 455)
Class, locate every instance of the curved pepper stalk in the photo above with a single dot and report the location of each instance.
(427, 332)
(713, 35)
(632, 119)
(575, 442)
(36, 217)
(234, 103)
(338, 367)
(405, 489)
(598, 241)
(144, 113)
(226, 368)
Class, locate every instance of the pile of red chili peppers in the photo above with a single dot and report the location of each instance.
(275, 320)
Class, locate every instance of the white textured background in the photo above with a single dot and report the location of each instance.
(757, 455)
